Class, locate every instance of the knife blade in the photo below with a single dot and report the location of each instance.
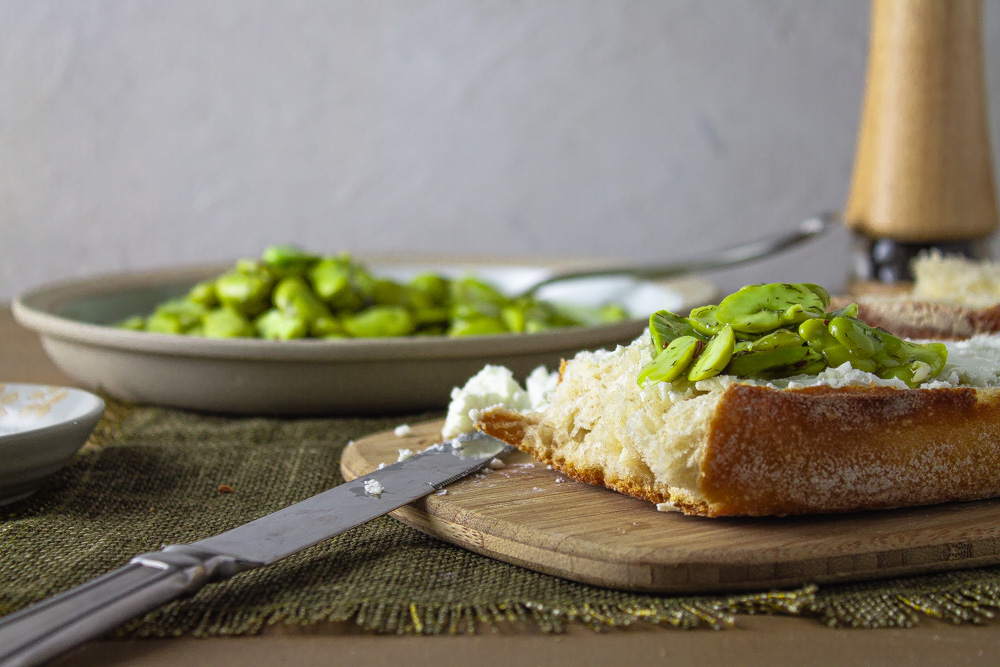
(53, 626)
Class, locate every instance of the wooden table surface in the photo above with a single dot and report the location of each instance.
(755, 639)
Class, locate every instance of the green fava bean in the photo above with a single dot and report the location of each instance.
(471, 290)
(762, 308)
(612, 313)
(664, 327)
(850, 310)
(893, 353)
(277, 324)
(390, 293)
(477, 326)
(433, 288)
(134, 323)
(818, 337)
(537, 326)
(837, 355)
(333, 282)
(753, 363)
(326, 326)
(514, 319)
(226, 323)
(203, 294)
(820, 292)
(672, 362)
(431, 316)
(164, 322)
(715, 357)
(861, 339)
(705, 320)
(816, 334)
(288, 260)
(247, 293)
(934, 355)
(776, 339)
(925, 362)
(811, 364)
(380, 322)
(178, 315)
(292, 294)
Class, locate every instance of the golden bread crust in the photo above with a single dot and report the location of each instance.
(820, 449)
(813, 450)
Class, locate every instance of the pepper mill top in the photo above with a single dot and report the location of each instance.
(923, 172)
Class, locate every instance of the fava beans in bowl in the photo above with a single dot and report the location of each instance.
(332, 374)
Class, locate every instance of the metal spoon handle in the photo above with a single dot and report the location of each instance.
(718, 259)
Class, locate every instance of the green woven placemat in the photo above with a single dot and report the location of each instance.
(152, 476)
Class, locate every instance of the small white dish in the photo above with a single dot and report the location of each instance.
(315, 377)
(41, 427)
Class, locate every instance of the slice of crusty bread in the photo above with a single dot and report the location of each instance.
(951, 298)
(741, 449)
(926, 319)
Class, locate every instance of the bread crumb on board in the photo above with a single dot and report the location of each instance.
(403, 430)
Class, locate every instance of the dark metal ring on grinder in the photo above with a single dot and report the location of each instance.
(888, 261)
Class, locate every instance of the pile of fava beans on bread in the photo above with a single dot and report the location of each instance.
(781, 330)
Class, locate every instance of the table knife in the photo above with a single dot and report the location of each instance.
(41, 631)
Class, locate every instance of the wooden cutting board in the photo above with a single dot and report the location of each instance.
(537, 518)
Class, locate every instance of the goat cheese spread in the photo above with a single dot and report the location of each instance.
(492, 387)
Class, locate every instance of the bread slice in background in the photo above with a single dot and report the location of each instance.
(951, 298)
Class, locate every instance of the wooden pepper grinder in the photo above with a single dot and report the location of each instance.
(923, 172)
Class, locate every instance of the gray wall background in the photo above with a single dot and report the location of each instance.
(144, 134)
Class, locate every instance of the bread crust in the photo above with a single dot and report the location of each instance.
(815, 450)
(821, 449)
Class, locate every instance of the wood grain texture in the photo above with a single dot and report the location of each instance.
(526, 516)
(923, 170)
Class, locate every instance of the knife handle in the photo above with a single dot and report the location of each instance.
(44, 630)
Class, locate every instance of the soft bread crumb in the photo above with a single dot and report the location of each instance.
(602, 420)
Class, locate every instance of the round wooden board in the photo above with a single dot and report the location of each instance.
(537, 518)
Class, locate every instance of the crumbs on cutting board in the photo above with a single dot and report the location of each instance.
(403, 430)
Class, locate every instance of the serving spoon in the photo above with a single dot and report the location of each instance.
(718, 259)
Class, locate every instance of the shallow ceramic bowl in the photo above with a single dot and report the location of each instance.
(313, 377)
(41, 427)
